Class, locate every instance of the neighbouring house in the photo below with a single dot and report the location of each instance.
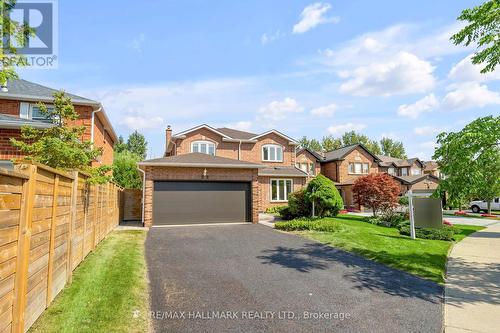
(18, 107)
(309, 162)
(346, 164)
(432, 168)
(211, 175)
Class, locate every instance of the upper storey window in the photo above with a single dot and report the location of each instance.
(205, 147)
(272, 153)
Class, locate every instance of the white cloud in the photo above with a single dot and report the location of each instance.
(143, 123)
(427, 130)
(470, 95)
(279, 110)
(466, 71)
(312, 16)
(340, 129)
(403, 74)
(325, 111)
(426, 104)
(271, 37)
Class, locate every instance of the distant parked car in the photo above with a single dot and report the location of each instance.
(482, 205)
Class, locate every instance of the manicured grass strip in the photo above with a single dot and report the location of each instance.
(109, 292)
(422, 257)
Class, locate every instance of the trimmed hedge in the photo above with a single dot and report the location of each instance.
(445, 233)
(309, 224)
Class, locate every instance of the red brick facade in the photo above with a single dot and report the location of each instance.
(102, 139)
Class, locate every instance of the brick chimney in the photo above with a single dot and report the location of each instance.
(168, 139)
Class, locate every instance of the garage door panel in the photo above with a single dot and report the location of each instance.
(200, 202)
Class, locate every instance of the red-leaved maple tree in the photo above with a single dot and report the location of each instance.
(378, 191)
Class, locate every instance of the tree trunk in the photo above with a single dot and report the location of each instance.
(374, 212)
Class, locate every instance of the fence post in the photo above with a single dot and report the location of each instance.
(72, 223)
(85, 211)
(96, 199)
(23, 250)
(52, 239)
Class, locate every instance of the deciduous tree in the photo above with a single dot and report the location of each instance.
(311, 144)
(392, 148)
(483, 28)
(378, 191)
(137, 144)
(125, 171)
(350, 138)
(470, 159)
(330, 143)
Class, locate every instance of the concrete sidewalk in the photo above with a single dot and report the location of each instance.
(472, 289)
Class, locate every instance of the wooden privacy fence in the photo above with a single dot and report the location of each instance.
(49, 221)
(132, 204)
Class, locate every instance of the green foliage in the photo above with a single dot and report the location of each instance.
(470, 159)
(286, 214)
(350, 138)
(330, 143)
(100, 174)
(309, 224)
(59, 146)
(324, 194)
(298, 205)
(275, 209)
(125, 171)
(16, 31)
(392, 148)
(311, 144)
(483, 29)
(120, 146)
(390, 220)
(137, 144)
(404, 201)
(445, 233)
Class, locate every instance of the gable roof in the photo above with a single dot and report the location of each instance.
(210, 128)
(339, 154)
(26, 90)
(410, 180)
(431, 165)
(7, 121)
(200, 160)
(312, 152)
(386, 161)
(292, 141)
(236, 134)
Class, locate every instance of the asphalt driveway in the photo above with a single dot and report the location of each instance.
(250, 278)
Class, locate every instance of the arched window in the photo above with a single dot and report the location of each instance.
(272, 153)
(205, 147)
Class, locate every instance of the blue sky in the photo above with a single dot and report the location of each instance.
(383, 68)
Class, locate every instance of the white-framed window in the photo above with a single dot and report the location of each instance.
(359, 168)
(280, 189)
(307, 168)
(36, 114)
(404, 172)
(272, 153)
(205, 147)
(416, 172)
(392, 171)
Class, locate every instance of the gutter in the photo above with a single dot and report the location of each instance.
(143, 192)
(16, 124)
(93, 125)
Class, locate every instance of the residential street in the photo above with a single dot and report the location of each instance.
(265, 280)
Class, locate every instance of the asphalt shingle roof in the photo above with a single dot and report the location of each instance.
(200, 160)
(236, 134)
(19, 87)
(282, 171)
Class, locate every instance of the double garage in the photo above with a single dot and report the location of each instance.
(199, 188)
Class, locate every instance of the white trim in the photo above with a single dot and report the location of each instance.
(272, 145)
(202, 126)
(143, 192)
(354, 168)
(17, 124)
(292, 141)
(207, 142)
(239, 140)
(277, 188)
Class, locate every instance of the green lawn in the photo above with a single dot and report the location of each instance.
(109, 292)
(425, 258)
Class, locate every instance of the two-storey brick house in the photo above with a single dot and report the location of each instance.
(211, 175)
(18, 107)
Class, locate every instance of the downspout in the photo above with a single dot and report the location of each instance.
(143, 192)
(92, 125)
(239, 151)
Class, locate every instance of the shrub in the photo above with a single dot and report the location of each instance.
(298, 205)
(325, 195)
(404, 201)
(285, 214)
(394, 219)
(445, 233)
(309, 224)
(275, 210)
